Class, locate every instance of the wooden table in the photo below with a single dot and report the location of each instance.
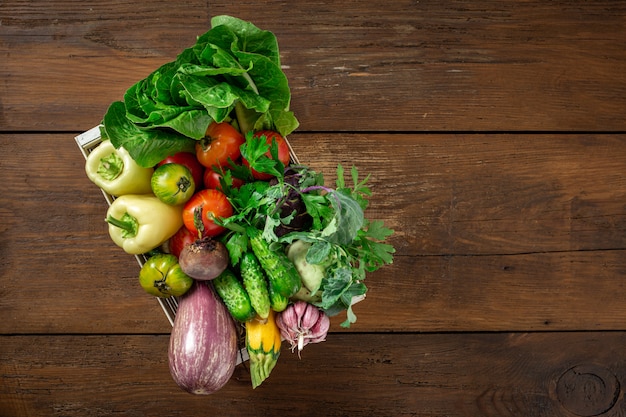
(495, 134)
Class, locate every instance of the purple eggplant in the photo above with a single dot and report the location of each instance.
(203, 343)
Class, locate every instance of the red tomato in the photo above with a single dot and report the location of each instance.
(283, 152)
(212, 180)
(181, 239)
(189, 160)
(200, 210)
(222, 142)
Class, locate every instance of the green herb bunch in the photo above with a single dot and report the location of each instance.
(341, 238)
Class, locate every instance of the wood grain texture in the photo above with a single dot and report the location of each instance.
(494, 133)
(64, 63)
(454, 375)
(352, 65)
(494, 233)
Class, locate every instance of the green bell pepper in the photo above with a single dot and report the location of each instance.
(115, 171)
(140, 223)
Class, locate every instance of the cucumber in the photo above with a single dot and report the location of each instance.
(280, 271)
(233, 294)
(255, 283)
(278, 302)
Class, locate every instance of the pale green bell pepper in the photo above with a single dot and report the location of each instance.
(115, 171)
(140, 223)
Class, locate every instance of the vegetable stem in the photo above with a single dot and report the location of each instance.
(245, 117)
(110, 167)
(316, 187)
(323, 188)
(251, 83)
(128, 223)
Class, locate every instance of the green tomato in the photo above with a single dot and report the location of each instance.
(161, 276)
(173, 184)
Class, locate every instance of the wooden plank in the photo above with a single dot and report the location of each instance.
(534, 65)
(484, 193)
(471, 375)
(66, 63)
(493, 232)
(453, 65)
(53, 239)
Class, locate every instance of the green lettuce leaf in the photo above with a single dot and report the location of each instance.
(146, 147)
(232, 71)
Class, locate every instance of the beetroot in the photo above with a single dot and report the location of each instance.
(204, 260)
(203, 344)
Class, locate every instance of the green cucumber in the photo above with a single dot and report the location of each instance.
(280, 271)
(231, 291)
(255, 283)
(278, 302)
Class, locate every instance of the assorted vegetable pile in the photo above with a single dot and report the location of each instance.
(205, 187)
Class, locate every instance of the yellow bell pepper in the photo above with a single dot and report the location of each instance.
(263, 344)
(140, 223)
(115, 171)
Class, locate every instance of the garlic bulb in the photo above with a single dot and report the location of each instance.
(302, 323)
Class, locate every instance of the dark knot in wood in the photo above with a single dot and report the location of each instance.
(588, 390)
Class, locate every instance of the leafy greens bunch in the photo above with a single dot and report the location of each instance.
(331, 220)
(234, 67)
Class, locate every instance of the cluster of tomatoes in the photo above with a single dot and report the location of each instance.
(219, 151)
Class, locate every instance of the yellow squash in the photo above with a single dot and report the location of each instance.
(263, 344)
